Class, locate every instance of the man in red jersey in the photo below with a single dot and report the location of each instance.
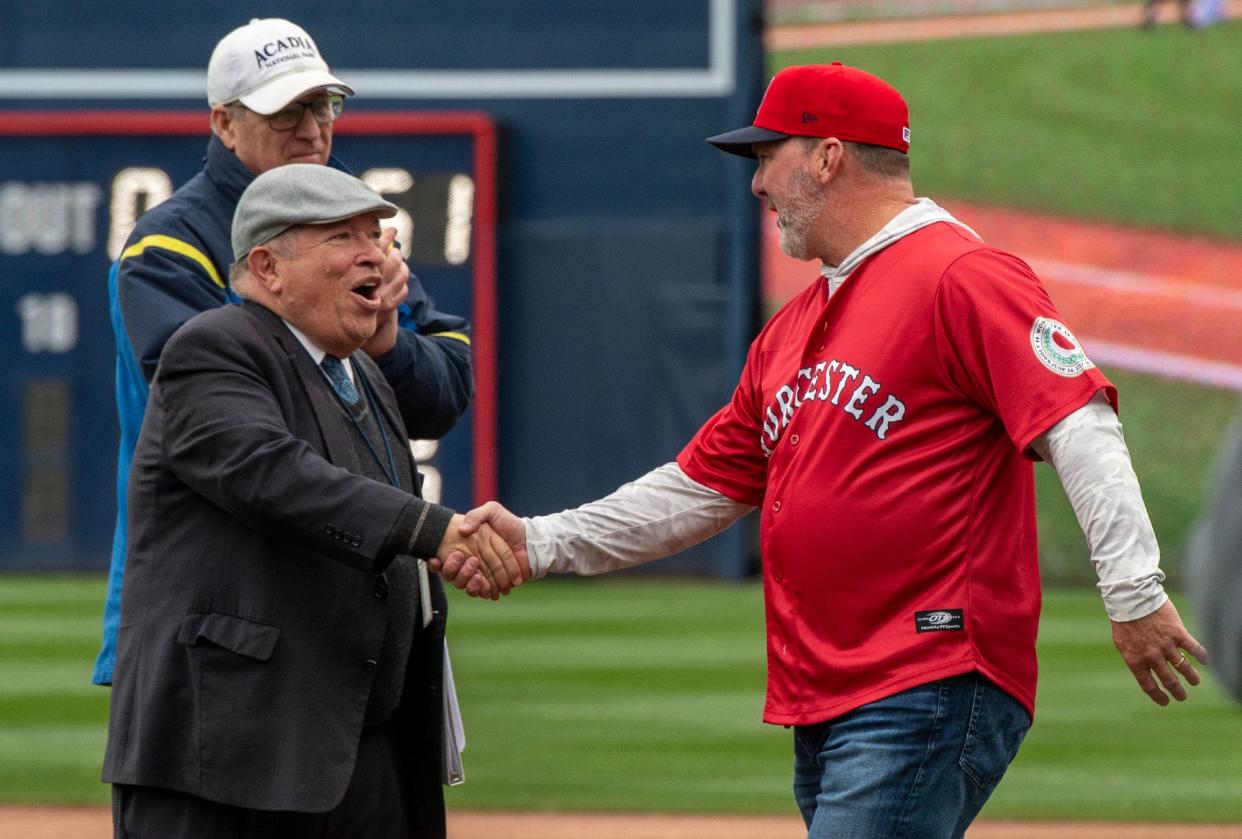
(886, 424)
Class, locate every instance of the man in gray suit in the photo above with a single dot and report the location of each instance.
(1214, 565)
(281, 644)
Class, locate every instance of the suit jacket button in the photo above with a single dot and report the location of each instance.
(369, 665)
(357, 541)
(329, 529)
(381, 590)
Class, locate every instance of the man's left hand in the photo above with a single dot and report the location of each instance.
(394, 288)
(1154, 645)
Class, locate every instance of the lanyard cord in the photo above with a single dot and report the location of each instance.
(424, 586)
(391, 471)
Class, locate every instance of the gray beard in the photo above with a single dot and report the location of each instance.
(795, 223)
(793, 243)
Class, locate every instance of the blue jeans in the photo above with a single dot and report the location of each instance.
(916, 765)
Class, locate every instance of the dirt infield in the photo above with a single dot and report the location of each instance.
(1139, 299)
(95, 823)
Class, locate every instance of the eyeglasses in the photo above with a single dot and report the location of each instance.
(324, 109)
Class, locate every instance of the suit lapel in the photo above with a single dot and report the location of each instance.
(337, 447)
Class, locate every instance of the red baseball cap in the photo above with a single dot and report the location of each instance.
(825, 100)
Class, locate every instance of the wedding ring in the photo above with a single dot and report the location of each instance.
(1180, 661)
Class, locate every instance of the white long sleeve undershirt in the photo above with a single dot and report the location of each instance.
(1089, 454)
(659, 514)
(665, 511)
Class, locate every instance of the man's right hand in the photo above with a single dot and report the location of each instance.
(479, 559)
(464, 572)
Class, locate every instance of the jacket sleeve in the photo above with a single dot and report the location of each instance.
(163, 281)
(429, 369)
(227, 437)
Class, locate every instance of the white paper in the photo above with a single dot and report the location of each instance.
(424, 594)
(454, 732)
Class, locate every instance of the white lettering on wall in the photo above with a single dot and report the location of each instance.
(135, 190)
(457, 230)
(433, 482)
(47, 218)
(49, 322)
(393, 181)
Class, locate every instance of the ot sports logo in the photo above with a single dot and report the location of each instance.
(1057, 348)
(939, 620)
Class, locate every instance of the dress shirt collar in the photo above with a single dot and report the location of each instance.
(316, 353)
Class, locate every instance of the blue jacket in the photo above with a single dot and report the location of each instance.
(175, 265)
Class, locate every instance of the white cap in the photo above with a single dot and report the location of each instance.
(267, 64)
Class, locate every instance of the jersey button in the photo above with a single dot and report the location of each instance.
(820, 348)
(369, 665)
(776, 506)
(793, 440)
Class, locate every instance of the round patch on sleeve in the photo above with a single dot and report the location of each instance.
(1057, 348)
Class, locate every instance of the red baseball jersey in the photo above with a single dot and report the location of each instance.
(884, 434)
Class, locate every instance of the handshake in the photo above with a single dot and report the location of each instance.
(483, 552)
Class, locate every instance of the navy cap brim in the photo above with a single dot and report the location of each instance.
(739, 142)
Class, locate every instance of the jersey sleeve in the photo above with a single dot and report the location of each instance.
(429, 368)
(726, 454)
(1003, 343)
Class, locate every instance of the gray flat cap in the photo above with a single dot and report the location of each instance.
(300, 193)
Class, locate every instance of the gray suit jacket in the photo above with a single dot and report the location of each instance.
(254, 606)
(1214, 566)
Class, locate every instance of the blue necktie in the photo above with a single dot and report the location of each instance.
(334, 368)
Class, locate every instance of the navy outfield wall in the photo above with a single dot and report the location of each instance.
(626, 247)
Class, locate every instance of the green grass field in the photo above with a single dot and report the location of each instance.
(1116, 124)
(645, 695)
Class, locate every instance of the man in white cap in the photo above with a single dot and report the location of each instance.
(280, 666)
(273, 101)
